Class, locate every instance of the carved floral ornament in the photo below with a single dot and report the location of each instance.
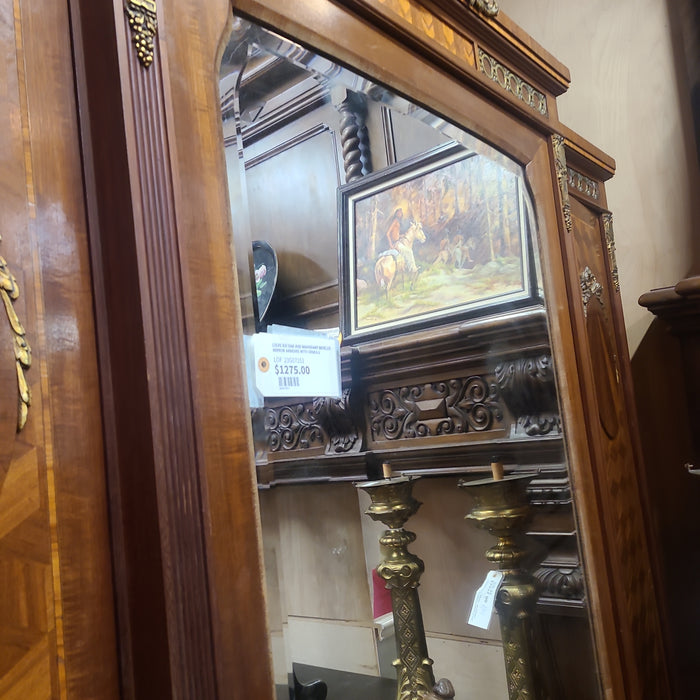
(9, 291)
(144, 27)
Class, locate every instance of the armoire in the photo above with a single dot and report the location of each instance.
(133, 479)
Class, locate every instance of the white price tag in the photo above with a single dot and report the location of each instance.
(482, 609)
(297, 365)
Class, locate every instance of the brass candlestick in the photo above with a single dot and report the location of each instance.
(393, 504)
(501, 506)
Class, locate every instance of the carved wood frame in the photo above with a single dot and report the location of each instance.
(179, 449)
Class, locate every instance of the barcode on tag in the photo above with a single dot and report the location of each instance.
(288, 381)
(482, 609)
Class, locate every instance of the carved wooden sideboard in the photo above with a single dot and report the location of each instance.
(542, 384)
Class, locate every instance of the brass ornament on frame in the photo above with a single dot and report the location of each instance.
(562, 178)
(484, 7)
(590, 288)
(512, 83)
(583, 184)
(144, 27)
(9, 291)
(610, 244)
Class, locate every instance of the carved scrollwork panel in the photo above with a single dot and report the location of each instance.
(320, 423)
(459, 405)
(527, 386)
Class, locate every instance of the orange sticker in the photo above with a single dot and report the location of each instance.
(263, 364)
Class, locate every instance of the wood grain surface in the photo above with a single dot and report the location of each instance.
(57, 635)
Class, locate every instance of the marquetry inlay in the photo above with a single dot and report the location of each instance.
(432, 27)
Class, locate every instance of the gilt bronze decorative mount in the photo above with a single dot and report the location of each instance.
(9, 291)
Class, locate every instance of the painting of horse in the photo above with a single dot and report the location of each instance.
(433, 238)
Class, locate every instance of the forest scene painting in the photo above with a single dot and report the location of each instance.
(434, 242)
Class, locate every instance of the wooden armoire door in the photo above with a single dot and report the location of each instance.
(132, 485)
(57, 629)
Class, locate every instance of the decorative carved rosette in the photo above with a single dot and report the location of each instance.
(322, 422)
(610, 244)
(562, 178)
(9, 291)
(144, 27)
(438, 408)
(527, 386)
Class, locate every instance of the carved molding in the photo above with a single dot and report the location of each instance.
(9, 291)
(562, 178)
(438, 408)
(564, 582)
(610, 243)
(527, 386)
(590, 288)
(144, 27)
(512, 83)
(319, 423)
(550, 491)
(583, 184)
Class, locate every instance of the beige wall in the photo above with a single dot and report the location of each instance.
(628, 98)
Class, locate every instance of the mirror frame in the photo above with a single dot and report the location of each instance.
(186, 534)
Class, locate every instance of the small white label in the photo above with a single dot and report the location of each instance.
(482, 609)
(296, 365)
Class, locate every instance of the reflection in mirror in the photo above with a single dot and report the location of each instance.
(418, 242)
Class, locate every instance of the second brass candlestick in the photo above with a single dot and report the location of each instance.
(501, 507)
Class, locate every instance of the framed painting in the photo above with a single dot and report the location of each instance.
(432, 240)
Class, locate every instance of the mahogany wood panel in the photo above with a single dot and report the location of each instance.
(618, 469)
(57, 635)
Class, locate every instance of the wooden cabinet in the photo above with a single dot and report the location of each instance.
(540, 381)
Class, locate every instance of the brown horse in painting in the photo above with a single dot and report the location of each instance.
(400, 260)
